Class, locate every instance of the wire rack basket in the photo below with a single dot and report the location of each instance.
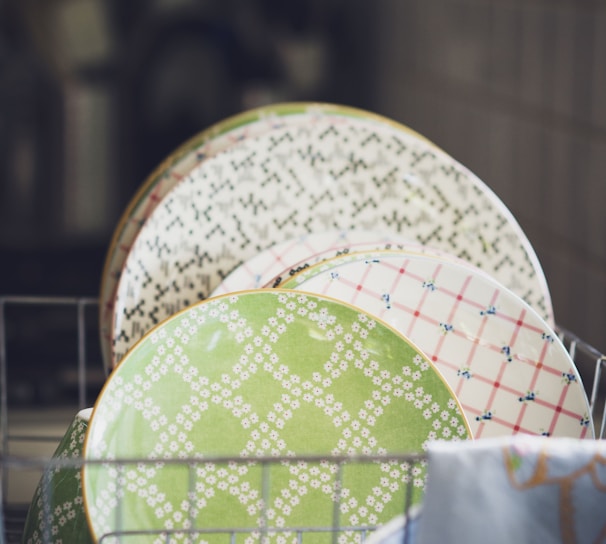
(51, 367)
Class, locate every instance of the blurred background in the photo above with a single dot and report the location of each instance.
(94, 94)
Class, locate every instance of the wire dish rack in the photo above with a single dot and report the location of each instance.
(51, 368)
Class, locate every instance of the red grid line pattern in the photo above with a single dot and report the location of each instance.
(357, 278)
(499, 380)
(459, 295)
(533, 382)
(451, 315)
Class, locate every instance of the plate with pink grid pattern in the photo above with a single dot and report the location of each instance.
(296, 253)
(507, 366)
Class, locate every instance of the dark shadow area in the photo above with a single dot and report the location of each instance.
(95, 95)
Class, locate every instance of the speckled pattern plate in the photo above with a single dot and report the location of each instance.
(507, 367)
(262, 373)
(311, 178)
(208, 143)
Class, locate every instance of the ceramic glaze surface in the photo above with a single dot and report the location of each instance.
(357, 251)
(210, 142)
(56, 513)
(264, 372)
(506, 365)
(293, 254)
(305, 179)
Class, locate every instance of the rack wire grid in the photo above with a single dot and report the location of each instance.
(51, 368)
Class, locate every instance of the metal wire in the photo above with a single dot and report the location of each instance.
(577, 349)
(263, 530)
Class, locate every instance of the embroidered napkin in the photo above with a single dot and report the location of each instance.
(523, 488)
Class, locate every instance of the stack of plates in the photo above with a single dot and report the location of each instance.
(312, 279)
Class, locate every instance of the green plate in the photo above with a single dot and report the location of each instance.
(56, 513)
(264, 373)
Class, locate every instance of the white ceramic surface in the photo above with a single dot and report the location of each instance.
(289, 255)
(311, 178)
(56, 513)
(353, 252)
(210, 142)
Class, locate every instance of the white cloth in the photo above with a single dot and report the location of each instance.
(520, 489)
(400, 530)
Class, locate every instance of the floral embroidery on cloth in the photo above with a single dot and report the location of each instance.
(522, 488)
(527, 469)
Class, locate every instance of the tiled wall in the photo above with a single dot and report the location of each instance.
(516, 91)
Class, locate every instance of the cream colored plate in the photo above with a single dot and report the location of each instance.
(209, 143)
(329, 173)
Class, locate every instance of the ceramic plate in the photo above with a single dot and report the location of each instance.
(207, 144)
(312, 178)
(262, 373)
(506, 365)
(355, 252)
(56, 513)
(287, 256)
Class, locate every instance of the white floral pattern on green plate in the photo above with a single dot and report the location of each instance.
(56, 513)
(262, 373)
